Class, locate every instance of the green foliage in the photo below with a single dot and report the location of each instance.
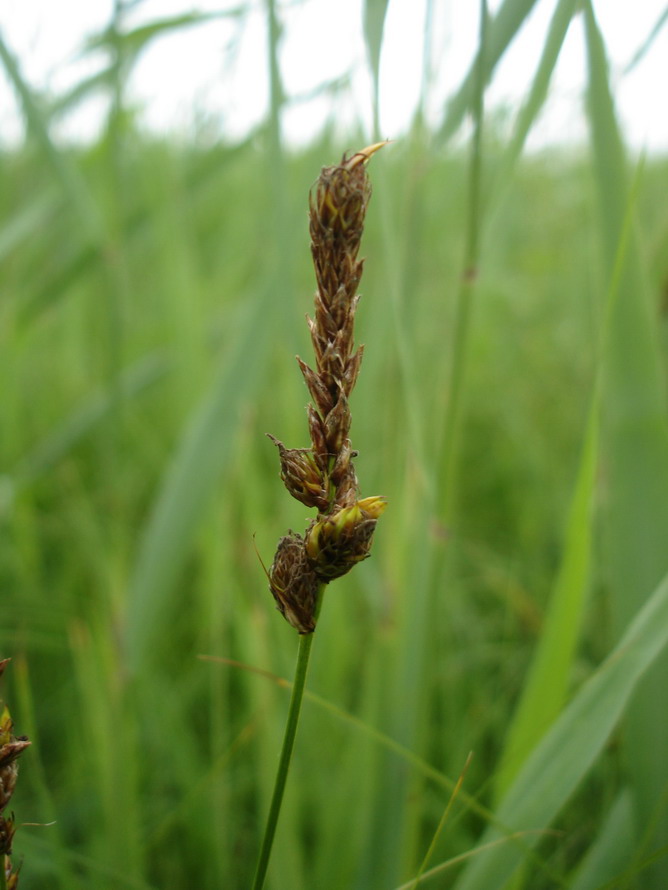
(153, 299)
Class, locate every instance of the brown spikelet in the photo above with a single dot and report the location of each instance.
(349, 377)
(337, 542)
(302, 475)
(294, 584)
(318, 437)
(319, 392)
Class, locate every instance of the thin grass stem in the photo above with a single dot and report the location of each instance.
(467, 286)
(441, 825)
(301, 669)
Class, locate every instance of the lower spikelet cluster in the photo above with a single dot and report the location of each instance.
(323, 476)
(11, 749)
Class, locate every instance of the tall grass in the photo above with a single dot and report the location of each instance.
(145, 284)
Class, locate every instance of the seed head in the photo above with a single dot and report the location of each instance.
(294, 584)
(323, 476)
(337, 542)
(302, 475)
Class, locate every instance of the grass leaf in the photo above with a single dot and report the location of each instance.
(635, 440)
(547, 684)
(531, 108)
(562, 759)
(375, 12)
(204, 450)
(611, 851)
(501, 31)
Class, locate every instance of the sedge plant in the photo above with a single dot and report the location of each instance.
(323, 475)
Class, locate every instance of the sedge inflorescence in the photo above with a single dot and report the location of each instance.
(323, 475)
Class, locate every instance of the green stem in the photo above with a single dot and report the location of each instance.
(463, 306)
(303, 655)
(3, 873)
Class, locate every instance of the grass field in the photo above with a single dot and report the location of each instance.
(516, 602)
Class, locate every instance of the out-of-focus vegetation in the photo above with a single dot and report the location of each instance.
(153, 296)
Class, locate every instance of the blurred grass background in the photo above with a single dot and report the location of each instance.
(154, 291)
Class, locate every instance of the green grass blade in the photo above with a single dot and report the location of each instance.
(276, 93)
(611, 851)
(562, 759)
(547, 684)
(93, 230)
(67, 272)
(67, 174)
(380, 739)
(97, 873)
(24, 223)
(466, 292)
(501, 31)
(539, 88)
(646, 45)
(137, 39)
(375, 12)
(635, 445)
(201, 456)
(549, 675)
(60, 441)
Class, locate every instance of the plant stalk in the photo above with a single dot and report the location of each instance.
(446, 483)
(303, 656)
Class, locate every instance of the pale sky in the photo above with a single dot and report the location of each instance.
(218, 70)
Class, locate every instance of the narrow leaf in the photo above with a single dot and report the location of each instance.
(634, 444)
(70, 431)
(562, 759)
(612, 850)
(136, 40)
(201, 456)
(547, 684)
(538, 93)
(66, 172)
(501, 31)
(374, 24)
